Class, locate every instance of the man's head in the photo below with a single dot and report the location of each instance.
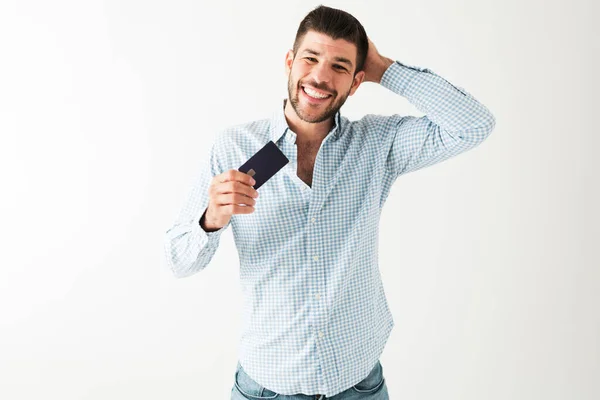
(328, 56)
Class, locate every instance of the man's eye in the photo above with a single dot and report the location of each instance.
(340, 67)
(311, 59)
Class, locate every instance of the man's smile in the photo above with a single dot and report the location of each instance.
(314, 95)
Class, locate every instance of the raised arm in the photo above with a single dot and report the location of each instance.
(454, 121)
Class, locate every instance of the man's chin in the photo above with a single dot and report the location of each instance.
(313, 118)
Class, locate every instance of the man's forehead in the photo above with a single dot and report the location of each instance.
(321, 42)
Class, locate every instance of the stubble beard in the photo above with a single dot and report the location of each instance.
(330, 111)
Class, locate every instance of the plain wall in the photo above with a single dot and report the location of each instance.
(107, 109)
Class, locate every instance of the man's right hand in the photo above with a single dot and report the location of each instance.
(227, 192)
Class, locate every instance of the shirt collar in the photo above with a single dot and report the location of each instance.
(279, 124)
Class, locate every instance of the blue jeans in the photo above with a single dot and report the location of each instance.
(373, 387)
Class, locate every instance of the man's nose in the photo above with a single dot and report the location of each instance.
(321, 73)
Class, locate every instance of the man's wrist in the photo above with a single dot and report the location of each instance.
(203, 225)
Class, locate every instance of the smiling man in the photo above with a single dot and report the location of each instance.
(321, 77)
(316, 319)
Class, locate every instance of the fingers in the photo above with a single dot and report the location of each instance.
(235, 175)
(229, 193)
(222, 199)
(232, 193)
(234, 181)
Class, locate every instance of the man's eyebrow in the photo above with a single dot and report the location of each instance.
(339, 59)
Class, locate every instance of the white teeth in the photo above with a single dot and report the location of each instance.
(314, 94)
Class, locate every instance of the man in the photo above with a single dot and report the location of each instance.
(316, 318)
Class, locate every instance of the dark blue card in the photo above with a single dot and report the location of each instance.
(265, 163)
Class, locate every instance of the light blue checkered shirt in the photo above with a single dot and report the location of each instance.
(316, 319)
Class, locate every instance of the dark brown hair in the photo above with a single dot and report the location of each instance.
(337, 24)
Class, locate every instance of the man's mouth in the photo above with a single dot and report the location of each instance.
(314, 94)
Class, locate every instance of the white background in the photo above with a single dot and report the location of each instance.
(107, 108)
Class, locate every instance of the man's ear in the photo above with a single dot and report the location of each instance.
(289, 60)
(358, 79)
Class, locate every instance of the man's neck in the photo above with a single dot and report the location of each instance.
(306, 131)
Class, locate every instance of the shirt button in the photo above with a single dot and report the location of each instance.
(313, 219)
(316, 258)
(320, 334)
(318, 296)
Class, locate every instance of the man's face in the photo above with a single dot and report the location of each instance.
(321, 76)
